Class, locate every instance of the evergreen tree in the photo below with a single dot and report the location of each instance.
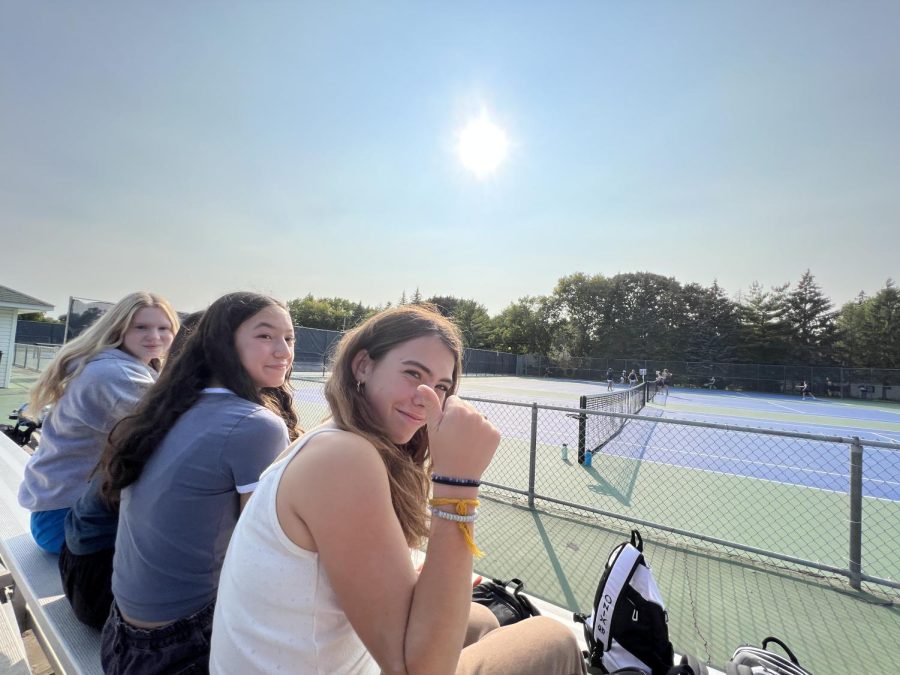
(717, 328)
(766, 334)
(812, 321)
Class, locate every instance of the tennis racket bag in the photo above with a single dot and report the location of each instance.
(748, 660)
(627, 629)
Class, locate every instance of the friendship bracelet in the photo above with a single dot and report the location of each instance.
(453, 480)
(461, 505)
(462, 518)
(455, 517)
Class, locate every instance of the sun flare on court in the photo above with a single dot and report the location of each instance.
(482, 146)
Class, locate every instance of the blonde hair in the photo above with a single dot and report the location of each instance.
(108, 331)
(407, 465)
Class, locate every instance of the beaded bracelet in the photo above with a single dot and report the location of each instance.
(453, 480)
(455, 517)
(462, 517)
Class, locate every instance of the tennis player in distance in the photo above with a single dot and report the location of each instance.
(318, 576)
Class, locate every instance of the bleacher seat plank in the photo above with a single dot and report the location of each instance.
(70, 646)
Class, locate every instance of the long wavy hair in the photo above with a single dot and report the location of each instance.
(408, 464)
(108, 331)
(209, 354)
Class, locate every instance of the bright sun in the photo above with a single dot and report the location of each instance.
(482, 146)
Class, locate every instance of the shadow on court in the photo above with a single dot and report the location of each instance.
(616, 464)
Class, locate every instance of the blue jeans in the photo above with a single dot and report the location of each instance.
(179, 648)
(48, 528)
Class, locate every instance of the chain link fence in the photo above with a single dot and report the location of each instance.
(34, 357)
(825, 381)
(830, 503)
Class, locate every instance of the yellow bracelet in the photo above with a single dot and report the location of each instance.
(462, 508)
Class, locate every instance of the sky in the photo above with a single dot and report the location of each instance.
(288, 148)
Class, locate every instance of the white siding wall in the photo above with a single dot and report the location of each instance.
(7, 335)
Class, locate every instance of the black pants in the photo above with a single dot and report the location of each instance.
(87, 581)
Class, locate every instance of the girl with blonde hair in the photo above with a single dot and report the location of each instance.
(94, 381)
(332, 522)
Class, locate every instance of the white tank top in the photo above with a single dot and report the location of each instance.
(294, 623)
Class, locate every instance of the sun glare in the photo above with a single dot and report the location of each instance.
(482, 146)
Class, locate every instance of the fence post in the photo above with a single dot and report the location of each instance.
(532, 460)
(856, 473)
(582, 429)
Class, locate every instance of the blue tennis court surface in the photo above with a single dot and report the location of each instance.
(802, 462)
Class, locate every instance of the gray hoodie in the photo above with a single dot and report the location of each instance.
(75, 431)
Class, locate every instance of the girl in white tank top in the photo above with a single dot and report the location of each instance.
(318, 576)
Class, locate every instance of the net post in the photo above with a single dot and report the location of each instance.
(856, 474)
(582, 429)
(532, 459)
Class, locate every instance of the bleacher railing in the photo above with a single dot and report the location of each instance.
(830, 503)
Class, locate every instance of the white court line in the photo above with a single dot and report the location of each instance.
(892, 440)
(802, 412)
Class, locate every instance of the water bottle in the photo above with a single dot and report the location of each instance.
(588, 455)
(565, 452)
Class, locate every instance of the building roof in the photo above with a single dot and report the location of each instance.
(15, 299)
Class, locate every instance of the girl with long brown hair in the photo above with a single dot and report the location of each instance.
(331, 526)
(183, 466)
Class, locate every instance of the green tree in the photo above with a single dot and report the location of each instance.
(445, 304)
(717, 329)
(579, 299)
(812, 322)
(869, 329)
(40, 317)
(474, 323)
(327, 313)
(524, 327)
(765, 332)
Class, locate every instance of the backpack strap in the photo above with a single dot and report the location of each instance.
(620, 575)
(778, 642)
(636, 540)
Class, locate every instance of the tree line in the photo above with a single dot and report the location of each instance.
(641, 315)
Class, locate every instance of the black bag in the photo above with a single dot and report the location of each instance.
(508, 607)
(627, 628)
(749, 660)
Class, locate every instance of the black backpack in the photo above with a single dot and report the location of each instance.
(508, 606)
(627, 630)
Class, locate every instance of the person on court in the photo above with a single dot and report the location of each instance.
(804, 390)
(609, 379)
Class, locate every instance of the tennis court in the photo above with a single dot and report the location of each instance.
(693, 491)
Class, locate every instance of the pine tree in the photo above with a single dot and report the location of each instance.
(812, 321)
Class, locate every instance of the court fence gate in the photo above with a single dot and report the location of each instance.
(808, 501)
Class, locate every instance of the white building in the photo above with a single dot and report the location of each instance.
(13, 303)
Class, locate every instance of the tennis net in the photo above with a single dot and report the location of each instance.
(594, 431)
